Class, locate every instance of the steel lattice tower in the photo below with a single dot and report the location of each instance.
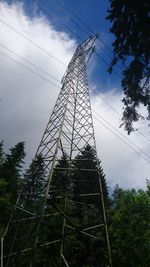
(44, 206)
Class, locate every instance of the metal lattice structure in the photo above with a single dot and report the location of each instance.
(46, 214)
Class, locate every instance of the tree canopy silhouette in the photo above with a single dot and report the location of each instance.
(130, 23)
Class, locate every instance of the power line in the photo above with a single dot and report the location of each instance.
(54, 85)
(78, 25)
(22, 58)
(117, 112)
(27, 68)
(31, 41)
(65, 13)
(78, 37)
(42, 49)
(131, 147)
(90, 30)
(106, 63)
(52, 55)
(122, 135)
(70, 11)
(28, 61)
(98, 55)
(53, 15)
(119, 137)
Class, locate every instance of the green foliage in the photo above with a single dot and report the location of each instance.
(128, 214)
(130, 26)
(130, 228)
(1, 155)
(148, 187)
(34, 178)
(82, 250)
(86, 165)
(74, 179)
(10, 172)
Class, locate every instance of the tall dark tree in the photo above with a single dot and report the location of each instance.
(60, 186)
(10, 174)
(34, 179)
(130, 24)
(83, 250)
(1, 154)
(76, 178)
(86, 168)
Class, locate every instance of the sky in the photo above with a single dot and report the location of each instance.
(28, 92)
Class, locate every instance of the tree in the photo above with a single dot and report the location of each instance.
(1, 155)
(10, 173)
(73, 179)
(130, 228)
(80, 250)
(34, 179)
(130, 26)
(84, 162)
(148, 186)
(87, 211)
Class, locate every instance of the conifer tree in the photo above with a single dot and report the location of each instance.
(82, 250)
(10, 178)
(34, 179)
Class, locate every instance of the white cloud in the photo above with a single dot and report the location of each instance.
(27, 100)
(120, 161)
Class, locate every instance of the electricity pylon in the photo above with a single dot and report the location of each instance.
(48, 211)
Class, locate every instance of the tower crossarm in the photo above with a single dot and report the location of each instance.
(86, 48)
